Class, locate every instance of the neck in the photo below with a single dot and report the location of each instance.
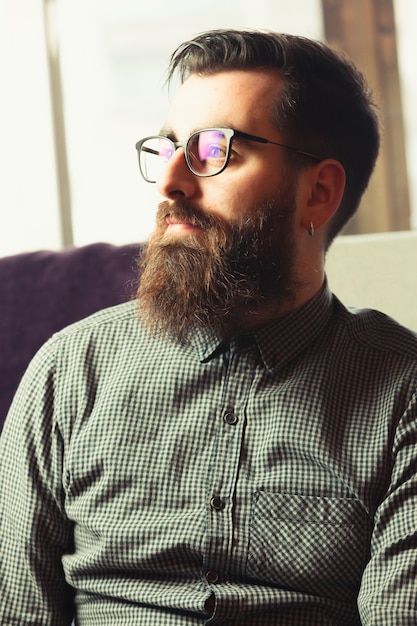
(272, 311)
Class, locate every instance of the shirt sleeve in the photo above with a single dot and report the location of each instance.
(388, 595)
(34, 531)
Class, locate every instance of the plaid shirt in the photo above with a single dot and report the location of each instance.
(272, 480)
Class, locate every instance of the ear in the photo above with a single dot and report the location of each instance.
(322, 193)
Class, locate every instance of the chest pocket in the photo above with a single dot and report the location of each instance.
(310, 544)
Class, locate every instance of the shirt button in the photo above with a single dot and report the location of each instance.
(231, 419)
(212, 577)
(217, 503)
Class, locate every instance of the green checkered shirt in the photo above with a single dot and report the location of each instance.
(272, 480)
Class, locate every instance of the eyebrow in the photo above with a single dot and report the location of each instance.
(169, 133)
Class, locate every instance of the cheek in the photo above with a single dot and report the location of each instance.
(239, 196)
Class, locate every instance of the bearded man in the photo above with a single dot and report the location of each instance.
(236, 447)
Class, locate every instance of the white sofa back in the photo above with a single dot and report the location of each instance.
(377, 271)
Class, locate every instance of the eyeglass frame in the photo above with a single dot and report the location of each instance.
(229, 133)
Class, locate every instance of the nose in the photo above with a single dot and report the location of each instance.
(177, 181)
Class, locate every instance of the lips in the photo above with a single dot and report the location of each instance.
(178, 226)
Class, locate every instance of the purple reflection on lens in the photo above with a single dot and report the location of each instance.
(165, 149)
(212, 144)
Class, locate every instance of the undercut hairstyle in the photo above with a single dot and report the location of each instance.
(325, 108)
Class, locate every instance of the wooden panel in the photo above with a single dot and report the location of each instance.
(365, 29)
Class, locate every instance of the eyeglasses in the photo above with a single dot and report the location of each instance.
(207, 151)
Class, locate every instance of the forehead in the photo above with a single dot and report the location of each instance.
(240, 99)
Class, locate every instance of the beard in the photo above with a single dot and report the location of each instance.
(220, 277)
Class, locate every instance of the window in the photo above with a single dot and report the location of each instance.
(112, 59)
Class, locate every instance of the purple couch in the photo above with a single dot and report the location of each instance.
(41, 292)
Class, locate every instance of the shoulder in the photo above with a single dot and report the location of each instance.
(70, 368)
(121, 315)
(90, 342)
(102, 339)
(376, 332)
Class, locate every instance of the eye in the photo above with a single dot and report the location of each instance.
(212, 151)
(212, 145)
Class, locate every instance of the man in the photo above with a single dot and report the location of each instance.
(238, 447)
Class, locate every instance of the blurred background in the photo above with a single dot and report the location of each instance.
(83, 80)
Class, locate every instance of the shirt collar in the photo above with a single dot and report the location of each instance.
(280, 341)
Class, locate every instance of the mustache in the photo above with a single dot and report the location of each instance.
(182, 210)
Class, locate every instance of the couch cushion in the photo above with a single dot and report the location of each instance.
(43, 291)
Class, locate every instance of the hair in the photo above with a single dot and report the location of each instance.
(325, 107)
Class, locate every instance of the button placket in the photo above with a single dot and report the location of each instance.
(224, 470)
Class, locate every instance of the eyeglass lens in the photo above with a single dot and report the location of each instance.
(206, 153)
